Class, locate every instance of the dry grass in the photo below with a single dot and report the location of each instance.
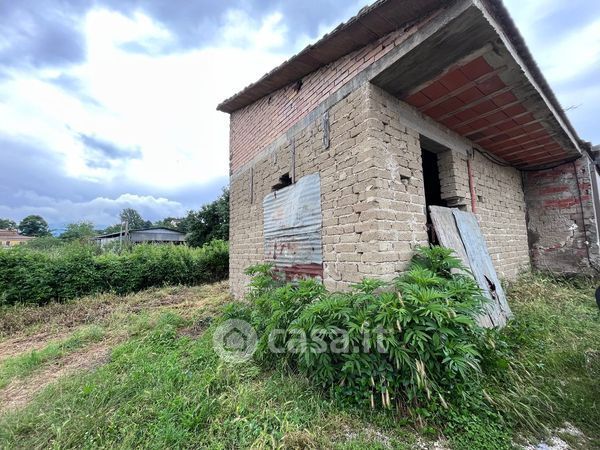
(20, 392)
(35, 336)
(19, 322)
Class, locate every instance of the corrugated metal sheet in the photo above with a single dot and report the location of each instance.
(292, 229)
(157, 235)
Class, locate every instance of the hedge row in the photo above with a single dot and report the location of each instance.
(29, 276)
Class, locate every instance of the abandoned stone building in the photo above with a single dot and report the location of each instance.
(336, 155)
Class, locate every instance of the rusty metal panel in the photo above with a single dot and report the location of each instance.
(292, 228)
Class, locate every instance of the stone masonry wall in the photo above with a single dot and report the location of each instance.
(248, 188)
(560, 236)
(500, 206)
(372, 195)
(371, 188)
(255, 126)
(500, 202)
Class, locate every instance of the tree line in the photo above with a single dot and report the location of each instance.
(201, 226)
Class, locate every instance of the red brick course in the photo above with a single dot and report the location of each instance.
(255, 126)
(556, 218)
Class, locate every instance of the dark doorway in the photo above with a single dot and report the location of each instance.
(433, 189)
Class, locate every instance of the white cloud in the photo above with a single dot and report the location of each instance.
(240, 30)
(163, 104)
(575, 54)
(567, 57)
(101, 210)
(532, 11)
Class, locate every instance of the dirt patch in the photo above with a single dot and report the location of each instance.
(23, 344)
(19, 392)
(566, 438)
(166, 301)
(196, 330)
(348, 434)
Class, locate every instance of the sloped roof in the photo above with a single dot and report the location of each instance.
(119, 233)
(372, 23)
(13, 235)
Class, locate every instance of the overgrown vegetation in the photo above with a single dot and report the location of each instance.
(209, 222)
(548, 368)
(165, 386)
(407, 344)
(429, 361)
(28, 275)
(164, 390)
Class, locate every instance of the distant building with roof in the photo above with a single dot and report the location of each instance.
(155, 235)
(12, 238)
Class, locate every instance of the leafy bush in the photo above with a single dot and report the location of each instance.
(410, 343)
(32, 276)
(45, 243)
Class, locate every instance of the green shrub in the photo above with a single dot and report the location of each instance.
(410, 343)
(35, 276)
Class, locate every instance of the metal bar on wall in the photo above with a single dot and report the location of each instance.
(251, 185)
(326, 139)
(293, 161)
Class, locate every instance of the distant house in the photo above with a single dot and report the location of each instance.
(158, 235)
(10, 238)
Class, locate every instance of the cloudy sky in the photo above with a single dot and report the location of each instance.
(106, 104)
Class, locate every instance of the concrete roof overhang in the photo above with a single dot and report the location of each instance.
(468, 69)
(468, 77)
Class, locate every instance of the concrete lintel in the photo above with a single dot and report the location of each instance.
(426, 126)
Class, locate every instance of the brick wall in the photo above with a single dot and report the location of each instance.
(255, 126)
(556, 225)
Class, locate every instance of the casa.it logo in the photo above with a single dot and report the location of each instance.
(235, 341)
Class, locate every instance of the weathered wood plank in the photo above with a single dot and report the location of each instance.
(448, 235)
(447, 232)
(483, 267)
(460, 231)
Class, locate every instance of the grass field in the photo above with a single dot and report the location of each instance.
(140, 371)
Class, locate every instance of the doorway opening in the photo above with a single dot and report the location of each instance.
(433, 189)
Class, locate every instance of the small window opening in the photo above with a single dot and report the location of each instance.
(284, 181)
(433, 189)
